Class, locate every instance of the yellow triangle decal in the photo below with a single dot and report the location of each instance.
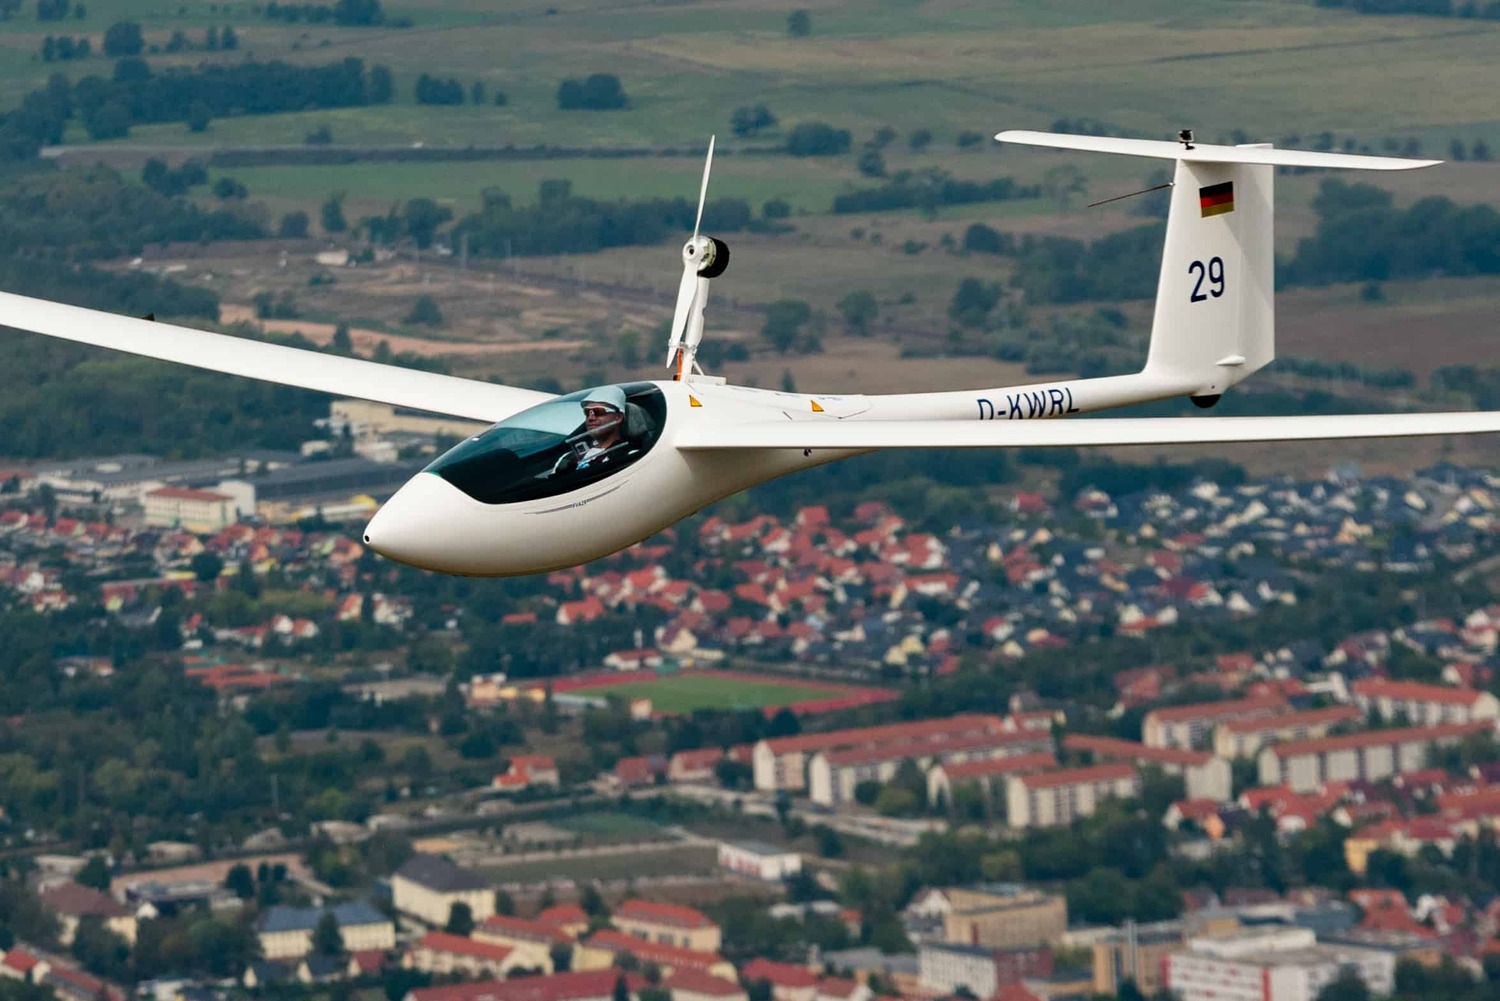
(816, 409)
(693, 401)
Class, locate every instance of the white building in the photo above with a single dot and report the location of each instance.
(1048, 799)
(427, 887)
(194, 510)
(1191, 726)
(1243, 738)
(1422, 705)
(286, 932)
(1369, 756)
(833, 775)
(1272, 964)
(758, 859)
(1204, 775)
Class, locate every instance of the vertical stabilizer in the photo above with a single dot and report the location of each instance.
(1215, 314)
(1215, 319)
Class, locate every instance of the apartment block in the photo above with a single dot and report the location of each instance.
(1244, 738)
(1049, 799)
(1369, 756)
(988, 773)
(1206, 776)
(780, 763)
(833, 775)
(1422, 705)
(1191, 726)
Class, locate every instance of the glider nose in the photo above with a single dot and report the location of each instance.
(422, 525)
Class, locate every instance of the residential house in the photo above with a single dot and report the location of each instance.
(528, 771)
(72, 902)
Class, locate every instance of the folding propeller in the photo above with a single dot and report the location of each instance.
(703, 258)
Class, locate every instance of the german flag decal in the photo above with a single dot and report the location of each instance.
(1216, 199)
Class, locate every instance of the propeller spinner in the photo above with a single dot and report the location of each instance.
(703, 258)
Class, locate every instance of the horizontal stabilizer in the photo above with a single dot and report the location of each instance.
(866, 435)
(1208, 153)
(289, 366)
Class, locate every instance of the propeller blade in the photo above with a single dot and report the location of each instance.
(708, 165)
(687, 291)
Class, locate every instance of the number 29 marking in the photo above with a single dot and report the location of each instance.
(1214, 273)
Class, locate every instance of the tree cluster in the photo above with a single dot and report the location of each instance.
(436, 90)
(749, 120)
(346, 13)
(596, 92)
(1488, 9)
(64, 47)
(929, 189)
(566, 223)
(817, 139)
(1362, 236)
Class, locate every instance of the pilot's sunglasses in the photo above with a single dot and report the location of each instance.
(597, 412)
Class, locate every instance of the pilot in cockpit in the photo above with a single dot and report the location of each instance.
(606, 440)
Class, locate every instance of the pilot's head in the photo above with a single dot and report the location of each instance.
(604, 414)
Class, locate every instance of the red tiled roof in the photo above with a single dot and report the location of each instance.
(1414, 691)
(76, 900)
(1375, 738)
(934, 744)
(583, 986)
(876, 734)
(779, 974)
(20, 960)
(1000, 766)
(1078, 776)
(654, 912)
(696, 982)
(653, 952)
(1307, 717)
(564, 914)
(1217, 710)
(1110, 747)
(462, 945)
(531, 931)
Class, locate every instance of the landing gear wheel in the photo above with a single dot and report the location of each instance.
(1205, 402)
